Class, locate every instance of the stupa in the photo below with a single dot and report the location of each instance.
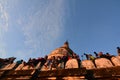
(61, 51)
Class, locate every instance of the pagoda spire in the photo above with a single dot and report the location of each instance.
(66, 44)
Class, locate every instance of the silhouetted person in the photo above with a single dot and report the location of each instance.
(43, 60)
(19, 62)
(118, 51)
(78, 60)
(87, 56)
(108, 56)
(91, 57)
(65, 59)
(96, 54)
(101, 55)
(54, 63)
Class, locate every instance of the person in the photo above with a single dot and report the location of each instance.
(47, 64)
(79, 61)
(19, 61)
(54, 63)
(87, 56)
(44, 60)
(64, 60)
(101, 55)
(109, 56)
(96, 54)
(59, 61)
(91, 57)
(30, 62)
(118, 51)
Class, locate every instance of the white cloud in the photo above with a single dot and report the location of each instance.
(41, 29)
(3, 19)
(3, 29)
(45, 26)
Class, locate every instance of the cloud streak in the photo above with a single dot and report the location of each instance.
(44, 27)
(3, 28)
(41, 24)
(3, 19)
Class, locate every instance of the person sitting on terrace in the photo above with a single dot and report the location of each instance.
(30, 62)
(59, 61)
(87, 56)
(108, 56)
(47, 64)
(64, 59)
(118, 51)
(9, 60)
(19, 62)
(6, 61)
(43, 61)
(101, 55)
(96, 54)
(33, 62)
(79, 60)
(54, 63)
(91, 57)
(27, 66)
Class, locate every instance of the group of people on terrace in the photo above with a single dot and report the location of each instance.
(100, 55)
(58, 62)
(54, 62)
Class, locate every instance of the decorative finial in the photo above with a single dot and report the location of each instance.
(66, 44)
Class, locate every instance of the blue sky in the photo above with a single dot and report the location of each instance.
(33, 28)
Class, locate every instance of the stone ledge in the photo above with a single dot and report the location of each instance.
(63, 72)
(104, 72)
